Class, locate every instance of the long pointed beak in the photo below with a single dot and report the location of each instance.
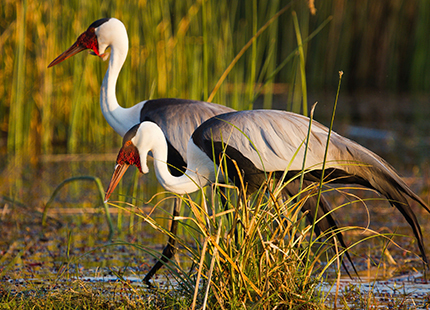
(73, 50)
(116, 177)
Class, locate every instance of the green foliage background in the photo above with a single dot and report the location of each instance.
(181, 48)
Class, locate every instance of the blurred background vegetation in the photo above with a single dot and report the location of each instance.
(181, 48)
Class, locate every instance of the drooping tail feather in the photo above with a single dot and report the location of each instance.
(369, 170)
(394, 189)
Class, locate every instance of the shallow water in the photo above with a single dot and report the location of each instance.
(409, 291)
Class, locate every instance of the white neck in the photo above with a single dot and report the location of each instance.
(119, 118)
(199, 173)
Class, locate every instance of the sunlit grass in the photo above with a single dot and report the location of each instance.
(257, 252)
(253, 255)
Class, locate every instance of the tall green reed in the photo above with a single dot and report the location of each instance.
(176, 50)
(180, 49)
(172, 47)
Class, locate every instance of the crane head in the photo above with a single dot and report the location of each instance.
(87, 40)
(128, 155)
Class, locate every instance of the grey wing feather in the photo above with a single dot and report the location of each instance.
(275, 140)
(268, 138)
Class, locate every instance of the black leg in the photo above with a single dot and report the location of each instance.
(170, 248)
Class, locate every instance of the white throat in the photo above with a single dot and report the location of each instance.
(114, 35)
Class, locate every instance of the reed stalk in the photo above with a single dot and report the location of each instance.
(184, 50)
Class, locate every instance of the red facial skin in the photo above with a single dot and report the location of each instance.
(128, 155)
(87, 40)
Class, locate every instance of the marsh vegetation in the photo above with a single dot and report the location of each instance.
(51, 130)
